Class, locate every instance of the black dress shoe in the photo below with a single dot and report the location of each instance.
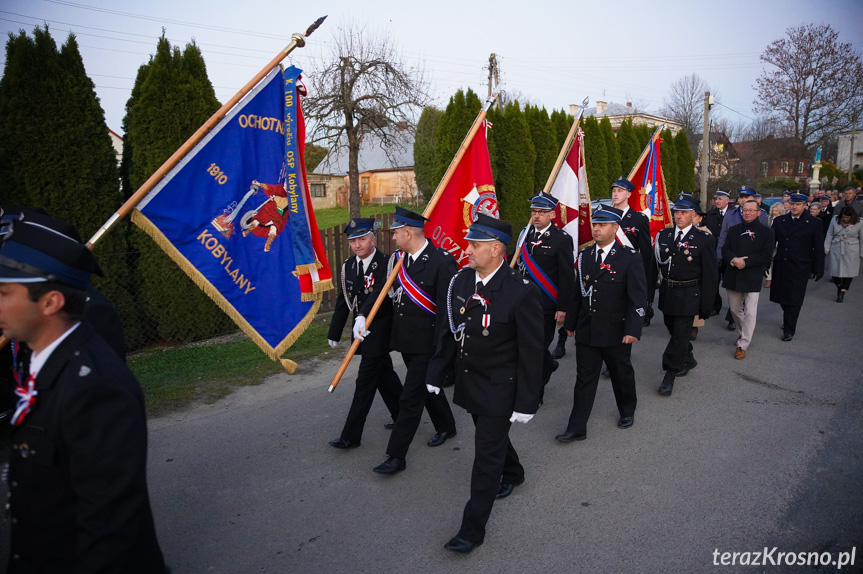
(688, 365)
(342, 443)
(439, 438)
(693, 334)
(786, 336)
(460, 545)
(391, 465)
(559, 351)
(625, 422)
(715, 312)
(505, 488)
(605, 372)
(667, 385)
(570, 436)
(554, 365)
(390, 425)
(840, 297)
(731, 326)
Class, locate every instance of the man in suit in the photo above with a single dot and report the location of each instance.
(363, 276)
(799, 256)
(713, 221)
(547, 259)
(733, 217)
(689, 276)
(495, 334)
(848, 200)
(826, 205)
(606, 315)
(77, 469)
(636, 226)
(421, 286)
(747, 253)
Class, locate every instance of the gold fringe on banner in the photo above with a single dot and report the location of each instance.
(273, 353)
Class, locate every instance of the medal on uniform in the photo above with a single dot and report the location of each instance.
(689, 258)
(686, 251)
(370, 280)
(486, 321)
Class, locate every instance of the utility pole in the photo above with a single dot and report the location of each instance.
(705, 145)
(493, 74)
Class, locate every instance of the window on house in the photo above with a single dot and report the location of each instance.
(783, 167)
(800, 167)
(764, 167)
(319, 189)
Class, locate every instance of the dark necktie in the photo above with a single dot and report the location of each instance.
(478, 287)
(599, 255)
(408, 261)
(678, 239)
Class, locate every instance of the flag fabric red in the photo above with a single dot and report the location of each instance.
(468, 192)
(649, 196)
(570, 189)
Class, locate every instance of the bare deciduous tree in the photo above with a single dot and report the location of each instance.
(364, 87)
(811, 83)
(685, 103)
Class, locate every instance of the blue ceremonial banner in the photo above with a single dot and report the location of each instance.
(236, 216)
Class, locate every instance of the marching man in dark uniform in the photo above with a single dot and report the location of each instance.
(607, 312)
(636, 226)
(421, 286)
(77, 470)
(799, 255)
(363, 275)
(747, 253)
(495, 319)
(547, 260)
(689, 274)
(713, 221)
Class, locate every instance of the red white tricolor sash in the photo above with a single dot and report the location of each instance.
(413, 290)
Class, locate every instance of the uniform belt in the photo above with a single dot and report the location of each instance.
(676, 284)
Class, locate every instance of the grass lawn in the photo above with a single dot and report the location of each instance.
(174, 378)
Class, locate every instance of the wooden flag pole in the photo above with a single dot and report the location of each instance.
(477, 124)
(297, 40)
(561, 157)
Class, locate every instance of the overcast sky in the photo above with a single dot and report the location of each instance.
(554, 53)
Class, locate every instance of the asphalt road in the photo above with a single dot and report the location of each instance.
(745, 454)
(763, 452)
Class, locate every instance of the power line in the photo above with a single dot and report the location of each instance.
(735, 111)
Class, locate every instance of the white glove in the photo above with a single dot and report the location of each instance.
(360, 328)
(333, 344)
(433, 389)
(520, 418)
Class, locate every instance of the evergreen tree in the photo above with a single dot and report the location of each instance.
(613, 168)
(544, 139)
(512, 161)
(668, 156)
(627, 143)
(595, 157)
(453, 126)
(685, 162)
(56, 153)
(172, 98)
(643, 133)
(424, 151)
(562, 123)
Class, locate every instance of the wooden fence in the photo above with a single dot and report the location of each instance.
(337, 249)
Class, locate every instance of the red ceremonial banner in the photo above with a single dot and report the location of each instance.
(649, 196)
(469, 191)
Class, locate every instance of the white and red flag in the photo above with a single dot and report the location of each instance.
(649, 196)
(571, 191)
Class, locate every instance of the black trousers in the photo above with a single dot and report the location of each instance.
(717, 303)
(843, 283)
(375, 374)
(679, 349)
(414, 397)
(494, 461)
(789, 318)
(549, 326)
(588, 365)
